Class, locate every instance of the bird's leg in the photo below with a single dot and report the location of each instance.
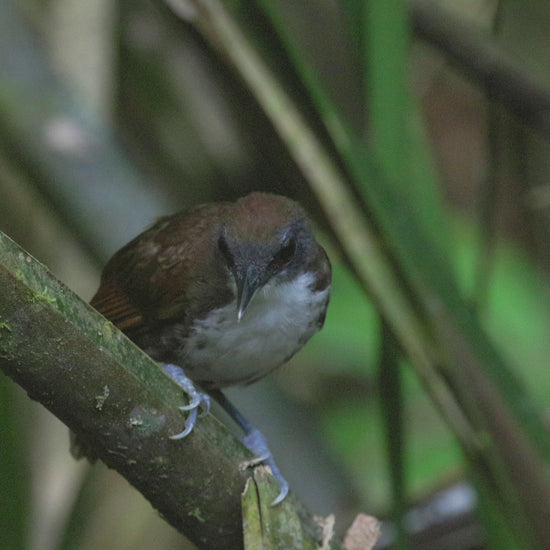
(198, 401)
(255, 441)
(253, 438)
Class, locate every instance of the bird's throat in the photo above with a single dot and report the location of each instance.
(222, 349)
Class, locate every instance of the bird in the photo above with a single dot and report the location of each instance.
(221, 294)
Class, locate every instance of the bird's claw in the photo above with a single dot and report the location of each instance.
(190, 422)
(257, 443)
(199, 403)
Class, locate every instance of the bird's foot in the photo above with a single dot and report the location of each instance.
(199, 403)
(257, 443)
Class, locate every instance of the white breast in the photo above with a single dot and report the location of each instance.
(278, 321)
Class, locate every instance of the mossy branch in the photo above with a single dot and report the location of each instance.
(117, 400)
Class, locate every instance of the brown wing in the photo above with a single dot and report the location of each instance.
(155, 276)
(111, 301)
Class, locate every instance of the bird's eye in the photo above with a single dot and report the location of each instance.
(226, 253)
(284, 255)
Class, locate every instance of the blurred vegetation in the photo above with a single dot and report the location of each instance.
(417, 136)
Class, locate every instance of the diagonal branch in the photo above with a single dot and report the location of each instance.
(116, 399)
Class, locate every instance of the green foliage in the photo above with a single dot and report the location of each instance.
(433, 360)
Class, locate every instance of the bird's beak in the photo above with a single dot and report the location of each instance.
(247, 284)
